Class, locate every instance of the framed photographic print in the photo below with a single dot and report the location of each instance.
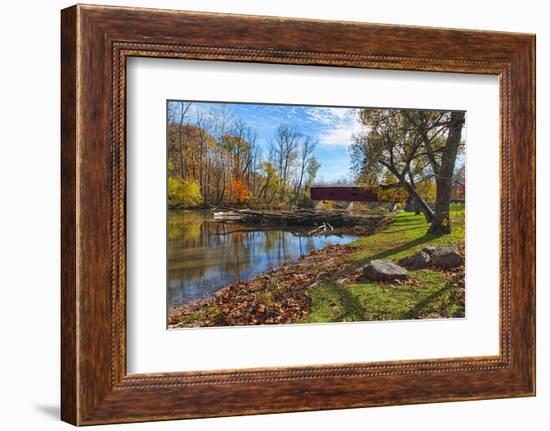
(264, 214)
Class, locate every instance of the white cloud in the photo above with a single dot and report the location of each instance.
(328, 116)
(331, 126)
(342, 113)
(340, 124)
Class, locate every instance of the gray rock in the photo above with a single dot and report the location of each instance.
(418, 260)
(384, 270)
(446, 257)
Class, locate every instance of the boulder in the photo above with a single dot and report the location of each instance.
(446, 257)
(418, 260)
(384, 270)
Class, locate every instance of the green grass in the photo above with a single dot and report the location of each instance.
(431, 293)
(406, 236)
(433, 296)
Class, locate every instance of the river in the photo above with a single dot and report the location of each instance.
(204, 256)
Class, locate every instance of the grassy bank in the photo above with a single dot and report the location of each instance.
(429, 293)
(327, 286)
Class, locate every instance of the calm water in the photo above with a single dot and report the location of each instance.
(204, 256)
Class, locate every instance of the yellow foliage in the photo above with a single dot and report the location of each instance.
(186, 193)
(427, 190)
(395, 194)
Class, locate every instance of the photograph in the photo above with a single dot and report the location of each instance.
(301, 214)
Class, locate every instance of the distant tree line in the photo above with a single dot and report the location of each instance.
(214, 159)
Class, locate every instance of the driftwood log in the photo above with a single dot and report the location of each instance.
(304, 217)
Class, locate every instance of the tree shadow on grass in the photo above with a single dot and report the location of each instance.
(404, 247)
(414, 311)
(404, 229)
(352, 309)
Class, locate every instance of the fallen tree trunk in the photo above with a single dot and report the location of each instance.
(304, 217)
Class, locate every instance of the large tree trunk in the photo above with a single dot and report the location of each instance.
(417, 205)
(441, 222)
(421, 203)
(411, 189)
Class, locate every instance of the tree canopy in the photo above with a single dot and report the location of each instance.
(418, 149)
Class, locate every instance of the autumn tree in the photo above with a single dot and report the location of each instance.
(205, 141)
(311, 171)
(389, 143)
(284, 152)
(271, 179)
(441, 133)
(177, 114)
(240, 191)
(306, 148)
(414, 146)
(184, 193)
(444, 169)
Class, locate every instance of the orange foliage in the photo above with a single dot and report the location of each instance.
(240, 191)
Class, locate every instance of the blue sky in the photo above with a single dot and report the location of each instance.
(332, 127)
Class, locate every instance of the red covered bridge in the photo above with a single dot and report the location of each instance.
(354, 193)
(343, 193)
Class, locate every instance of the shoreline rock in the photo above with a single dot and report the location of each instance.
(446, 257)
(419, 260)
(384, 270)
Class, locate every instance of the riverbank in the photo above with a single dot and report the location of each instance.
(327, 286)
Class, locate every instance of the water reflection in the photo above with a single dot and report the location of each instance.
(204, 256)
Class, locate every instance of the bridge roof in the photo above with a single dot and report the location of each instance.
(334, 186)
